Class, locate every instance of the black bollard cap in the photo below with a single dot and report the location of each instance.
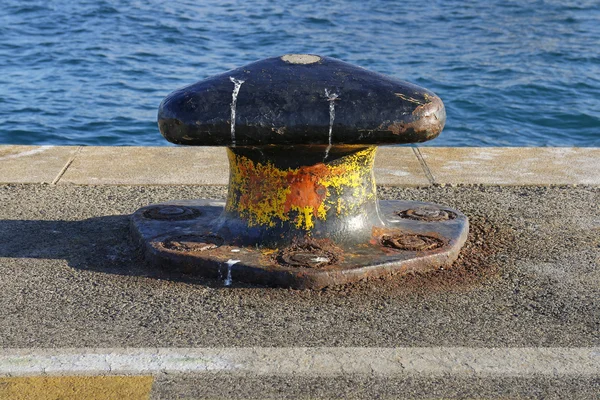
(300, 99)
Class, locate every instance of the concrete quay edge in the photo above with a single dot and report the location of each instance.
(394, 166)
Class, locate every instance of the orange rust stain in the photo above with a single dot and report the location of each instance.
(305, 189)
(398, 128)
(266, 195)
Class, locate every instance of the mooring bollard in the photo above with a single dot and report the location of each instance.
(302, 208)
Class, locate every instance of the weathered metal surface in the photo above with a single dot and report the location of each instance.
(275, 199)
(302, 208)
(287, 101)
(189, 246)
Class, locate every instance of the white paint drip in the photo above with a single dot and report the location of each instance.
(331, 97)
(237, 83)
(26, 153)
(230, 263)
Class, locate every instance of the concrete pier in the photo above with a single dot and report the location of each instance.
(394, 166)
(517, 316)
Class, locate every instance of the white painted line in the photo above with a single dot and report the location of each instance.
(31, 152)
(315, 361)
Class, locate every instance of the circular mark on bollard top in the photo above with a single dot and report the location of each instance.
(300, 58)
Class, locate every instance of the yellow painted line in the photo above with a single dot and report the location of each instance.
(76, 387)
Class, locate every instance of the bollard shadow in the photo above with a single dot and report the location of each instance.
(103, 244)
(100, 244)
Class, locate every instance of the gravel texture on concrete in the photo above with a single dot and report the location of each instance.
(528, 276)
(223, 386)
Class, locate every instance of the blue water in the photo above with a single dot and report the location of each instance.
(511, 73)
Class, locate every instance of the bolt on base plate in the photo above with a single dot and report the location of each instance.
(417, 236)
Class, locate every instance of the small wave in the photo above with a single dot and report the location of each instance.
(319, 21)
(28, 9)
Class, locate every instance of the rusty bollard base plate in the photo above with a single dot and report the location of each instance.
(417, 236)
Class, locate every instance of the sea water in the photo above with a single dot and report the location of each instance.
(93, 72)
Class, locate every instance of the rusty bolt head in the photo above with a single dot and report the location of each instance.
(310, 253)
(193, 243)
(171, 213)
(171, 210)
(428, 214)
(306, 259)
(411, 242)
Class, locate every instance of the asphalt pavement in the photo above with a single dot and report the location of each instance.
(529, 276)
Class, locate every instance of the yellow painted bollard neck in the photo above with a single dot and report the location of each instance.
(278, 193)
